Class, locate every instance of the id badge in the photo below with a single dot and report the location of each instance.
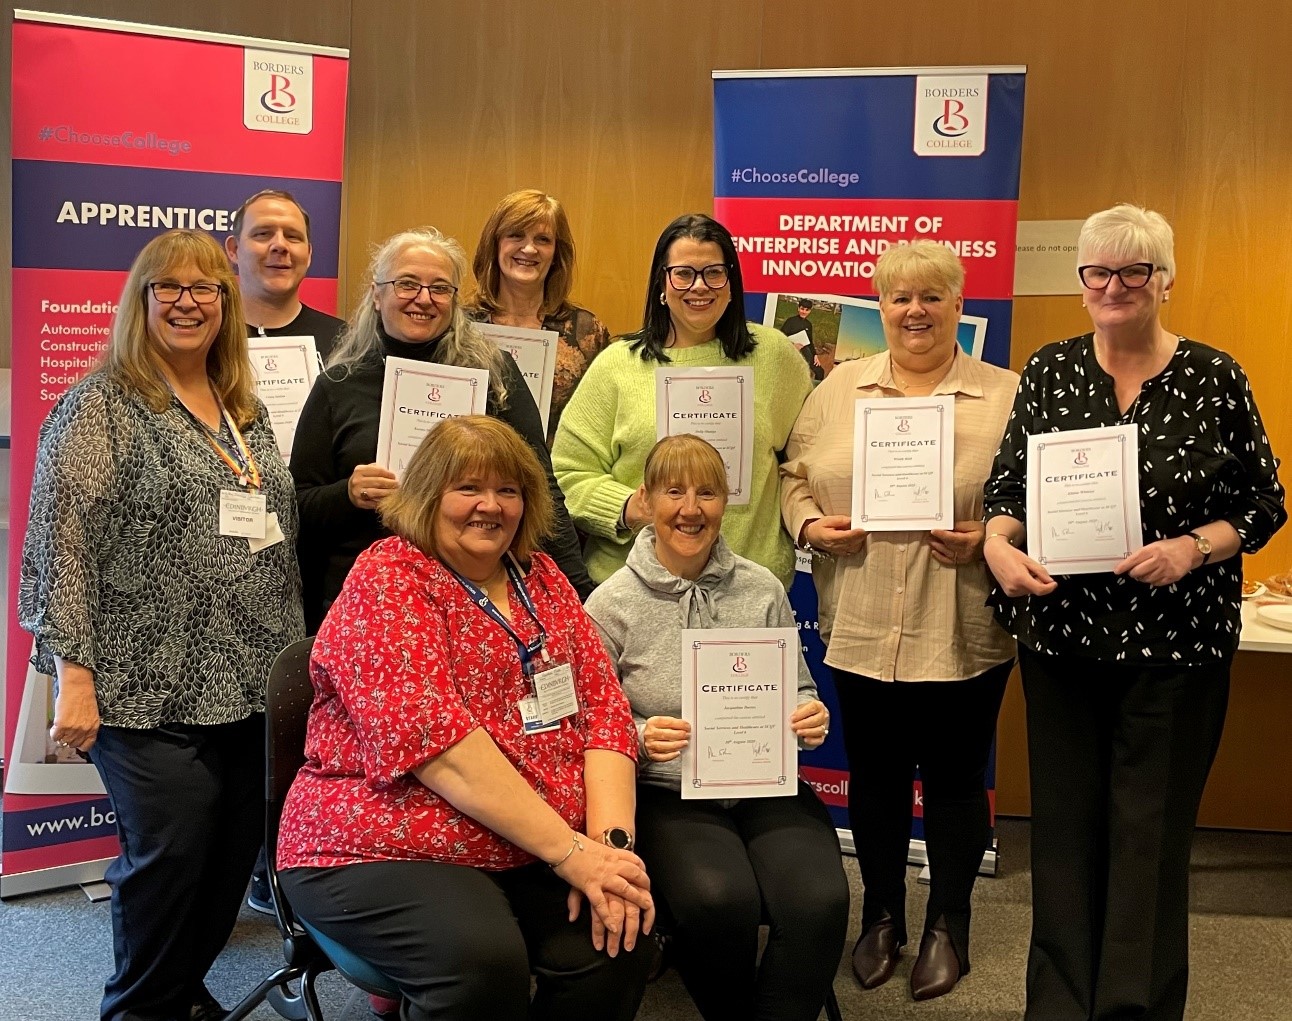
(530, 720)
(242, 514)
(273, 534)
(554, 688)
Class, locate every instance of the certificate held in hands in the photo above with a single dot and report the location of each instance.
(717, 405)
(1083, 499)
(739, 687)
(285, 369)
(418, 396)
(903, 452)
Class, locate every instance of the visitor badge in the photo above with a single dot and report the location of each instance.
(242, 514)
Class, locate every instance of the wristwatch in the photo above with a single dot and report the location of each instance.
(618, 837)
(1204, 546)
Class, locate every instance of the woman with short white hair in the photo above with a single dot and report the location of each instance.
(1126, 673)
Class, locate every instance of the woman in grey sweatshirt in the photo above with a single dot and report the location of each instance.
(719, 868)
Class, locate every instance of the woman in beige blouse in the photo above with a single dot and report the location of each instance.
(919, 664)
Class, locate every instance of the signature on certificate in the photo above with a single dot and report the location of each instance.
(711, 752)
(1103, 527)
(1058, 533)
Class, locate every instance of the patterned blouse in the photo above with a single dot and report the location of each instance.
(124, 570)
(1203, 456)
(404, 667)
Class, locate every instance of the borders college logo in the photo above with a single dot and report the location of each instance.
(951, 115)
(278, 91)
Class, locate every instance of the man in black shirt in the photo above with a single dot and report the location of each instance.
(799, 323)
(270, 250)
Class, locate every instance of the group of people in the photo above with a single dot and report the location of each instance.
(492, 784)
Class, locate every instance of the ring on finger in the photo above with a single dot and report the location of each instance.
(363, 494)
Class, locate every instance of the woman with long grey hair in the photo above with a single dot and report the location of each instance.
(411, 310)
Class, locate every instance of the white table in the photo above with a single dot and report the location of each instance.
(1260, 637)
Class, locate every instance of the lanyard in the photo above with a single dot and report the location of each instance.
(482, 600)
(238, 456)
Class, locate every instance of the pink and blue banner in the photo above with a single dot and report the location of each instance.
(815, 173)
(121, 132)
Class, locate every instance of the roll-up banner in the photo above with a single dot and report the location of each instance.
(121, 132)
(815, 173)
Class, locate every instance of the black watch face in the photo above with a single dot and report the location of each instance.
(619, 838)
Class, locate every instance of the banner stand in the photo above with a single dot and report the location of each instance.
(99, 169)
(816, 172)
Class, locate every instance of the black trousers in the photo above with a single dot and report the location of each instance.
(1119, 754)
(945, 729)
(460, 942)
(719, 871)
(189, 804)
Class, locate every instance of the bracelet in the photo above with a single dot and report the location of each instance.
(993, 535)
(812, 551)
(576, 845)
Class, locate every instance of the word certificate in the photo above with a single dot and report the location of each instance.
(418, 396)
(717, 405)
(903, 464)
(1083, 499)
(739, 688)
(535, 354)
(285, 369)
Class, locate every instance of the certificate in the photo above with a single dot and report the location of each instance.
(418, 396)
(535, 354)
(903, 464)
(285, 369)
(717, 405)
(739, 687)
(1083, 499)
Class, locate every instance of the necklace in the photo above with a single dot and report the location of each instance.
(904, 386)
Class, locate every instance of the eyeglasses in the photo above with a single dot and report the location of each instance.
(410, 290)
(683, 278)
(1134, 276)
(202, 294)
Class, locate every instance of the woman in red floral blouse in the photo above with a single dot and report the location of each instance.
(465, 813)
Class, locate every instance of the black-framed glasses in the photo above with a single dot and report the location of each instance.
(202, 294)
(683, 278)
(409, 289)
(1134, 276)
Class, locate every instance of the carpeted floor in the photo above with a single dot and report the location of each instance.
(55, 949)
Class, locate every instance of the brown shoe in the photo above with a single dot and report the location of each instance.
(937, 969)
(876, 954)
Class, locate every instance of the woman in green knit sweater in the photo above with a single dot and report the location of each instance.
(695, 317)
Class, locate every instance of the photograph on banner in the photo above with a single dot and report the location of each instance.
(37, 765)
(855, 324)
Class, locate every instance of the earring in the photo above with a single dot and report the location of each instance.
(663, 300)
(1083, 304)
(1166, 296)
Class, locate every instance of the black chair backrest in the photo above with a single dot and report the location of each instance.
(287, 708)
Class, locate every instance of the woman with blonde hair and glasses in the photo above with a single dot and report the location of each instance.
(411, 310)
(1126, 672)
(159, 581)
(524, 270)
(919, 665)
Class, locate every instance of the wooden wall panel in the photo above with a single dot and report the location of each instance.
(606, 106)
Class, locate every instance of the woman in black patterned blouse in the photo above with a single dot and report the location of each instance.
(151, 596)
(1127, 673)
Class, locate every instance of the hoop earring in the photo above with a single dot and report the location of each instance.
(663, 299)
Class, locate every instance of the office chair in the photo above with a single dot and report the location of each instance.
(306, 952)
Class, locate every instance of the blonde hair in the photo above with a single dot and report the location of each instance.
(1129, 232)
(921, 264)
(454, 450)
(684, 459)
(518, 212)
(132, 358)
(461, 344)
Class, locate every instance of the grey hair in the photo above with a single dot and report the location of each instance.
(462, 344)
(1129, 232)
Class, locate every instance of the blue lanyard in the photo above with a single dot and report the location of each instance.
(527, 649)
